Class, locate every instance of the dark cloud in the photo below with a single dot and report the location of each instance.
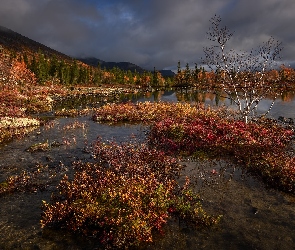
(148, 33)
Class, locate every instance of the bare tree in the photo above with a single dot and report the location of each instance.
(242, 75)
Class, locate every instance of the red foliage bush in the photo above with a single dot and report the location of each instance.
(261, 148)
(124, 197)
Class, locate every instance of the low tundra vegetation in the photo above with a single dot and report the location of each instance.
(263, 148)
(130, 190)
(125, 196)
(27, 181)
(148, 112)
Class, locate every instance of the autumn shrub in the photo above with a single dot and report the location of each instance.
(124, 197)
(8, 133)
(261, 148)
(146, 111)
(180, 128)
(27, 181)
(74, 125)
(72, 112)
(216, 134)
(275, 168)
(21, 93)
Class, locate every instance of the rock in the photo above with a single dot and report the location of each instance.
(289, 120)
(254, 210)
(39, 147)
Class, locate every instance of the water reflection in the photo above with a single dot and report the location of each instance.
(284, 104)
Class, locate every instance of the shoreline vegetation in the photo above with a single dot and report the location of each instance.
(19, 109)
(131, 190)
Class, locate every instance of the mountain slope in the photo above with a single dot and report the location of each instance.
(15, 42)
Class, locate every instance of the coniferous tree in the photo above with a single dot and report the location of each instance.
(64, 73)
(96, 77)
(196, 74)
(187, 75)
(155, 81)
(130, 77)
(53, 67)
(178, 67)
(26, 60)
(33, 65)
(42, 68)
(74, 73)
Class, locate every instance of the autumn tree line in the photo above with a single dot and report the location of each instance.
(73, 72)
(281, 79)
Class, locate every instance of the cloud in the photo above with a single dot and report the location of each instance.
(148, 33)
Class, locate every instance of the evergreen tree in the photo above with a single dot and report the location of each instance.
(178, 67)
(33, 65)
(26, 60)
(196, 74)
(187, 75)
(96, 77)
(81, 74)
(74, 73)
(63, 73)
(53, 67)
(155, 81)
(130, 76)
(42, 68)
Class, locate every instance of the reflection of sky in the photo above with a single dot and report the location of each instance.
(171, 97)
(280, 108)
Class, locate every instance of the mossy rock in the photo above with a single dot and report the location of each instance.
(41, 146)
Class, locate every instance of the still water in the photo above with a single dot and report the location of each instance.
(254, 217)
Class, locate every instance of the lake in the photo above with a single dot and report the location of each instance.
(254, 217)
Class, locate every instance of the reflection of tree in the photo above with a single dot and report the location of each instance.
(197, 96)
(190, 96)
(287, 96)
(217, 98)
(180, 96)
(148, 94)
(157, 95)
(210, 96)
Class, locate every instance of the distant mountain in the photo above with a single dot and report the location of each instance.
(167, 73)
(18, 43)
(109, 65)
(121, 65)
(92, 61)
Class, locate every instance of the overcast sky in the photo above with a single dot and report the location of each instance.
(149, 33)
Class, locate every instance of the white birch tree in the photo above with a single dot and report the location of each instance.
(242, 75)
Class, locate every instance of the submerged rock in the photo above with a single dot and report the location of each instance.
(42, 146)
